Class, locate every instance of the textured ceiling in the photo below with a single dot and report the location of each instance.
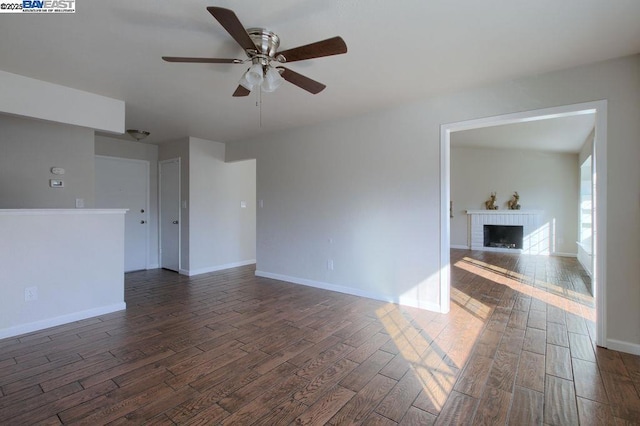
(398, 52)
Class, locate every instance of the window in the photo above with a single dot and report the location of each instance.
(586, 206)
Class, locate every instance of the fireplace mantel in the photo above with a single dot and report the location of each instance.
(494, 212)
(530, 220)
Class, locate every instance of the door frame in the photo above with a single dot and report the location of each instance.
(147, 200)
(160, 163)
(599, 172)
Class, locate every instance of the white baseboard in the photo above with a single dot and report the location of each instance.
(199, 271)
(560, 254)
(619, 345)
(517, 251)
(457, 246)
(63, 319)
(415, 303)
(153, 266)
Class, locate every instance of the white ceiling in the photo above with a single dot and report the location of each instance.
(564, 134)
(398, 52)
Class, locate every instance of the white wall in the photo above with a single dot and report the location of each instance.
(180, 149)
(27, 97)
(371, 184)
(216, 232)
(112, 147)
(587, 148)
(222, 233)
(29, 149)
(356, 192)
(545, 181)
(75, 259)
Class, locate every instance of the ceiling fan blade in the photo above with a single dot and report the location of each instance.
(301, 81)
(202, 60)
(241, 91)
(328, 47)
(232, 24)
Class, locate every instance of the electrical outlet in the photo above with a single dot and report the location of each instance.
(330, 264)
(30, 294)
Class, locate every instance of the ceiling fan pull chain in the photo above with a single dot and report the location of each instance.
(260, 97)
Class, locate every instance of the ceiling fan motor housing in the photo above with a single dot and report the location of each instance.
(267, 43)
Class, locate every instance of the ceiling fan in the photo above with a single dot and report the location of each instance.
(261, 48)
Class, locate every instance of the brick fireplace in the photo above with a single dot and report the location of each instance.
(506, 221)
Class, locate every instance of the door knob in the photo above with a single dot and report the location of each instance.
(143, 222)
(175, 222)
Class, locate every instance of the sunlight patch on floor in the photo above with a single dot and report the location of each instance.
(471, 304)
(435, 362)
(563, 298)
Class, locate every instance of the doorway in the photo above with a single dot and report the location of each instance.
(599, 108)
(170, 220)
(123, 183)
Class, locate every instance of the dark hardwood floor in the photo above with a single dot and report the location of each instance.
(229, 348)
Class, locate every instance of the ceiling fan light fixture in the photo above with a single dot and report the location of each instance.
(255, 74)
(244, 82)
(272, 80)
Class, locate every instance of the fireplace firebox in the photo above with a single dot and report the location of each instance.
(503, 236)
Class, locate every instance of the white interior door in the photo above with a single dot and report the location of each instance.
(170, 214)
(122, 183)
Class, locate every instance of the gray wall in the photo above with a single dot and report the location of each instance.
(545, 181)
(112, 147)
(371, 185)
(216, 232)
(221, 231)
(29, 149)
(75, 276)
(357, 192)
(180, 149)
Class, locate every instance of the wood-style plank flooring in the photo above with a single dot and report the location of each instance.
(230, 348)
